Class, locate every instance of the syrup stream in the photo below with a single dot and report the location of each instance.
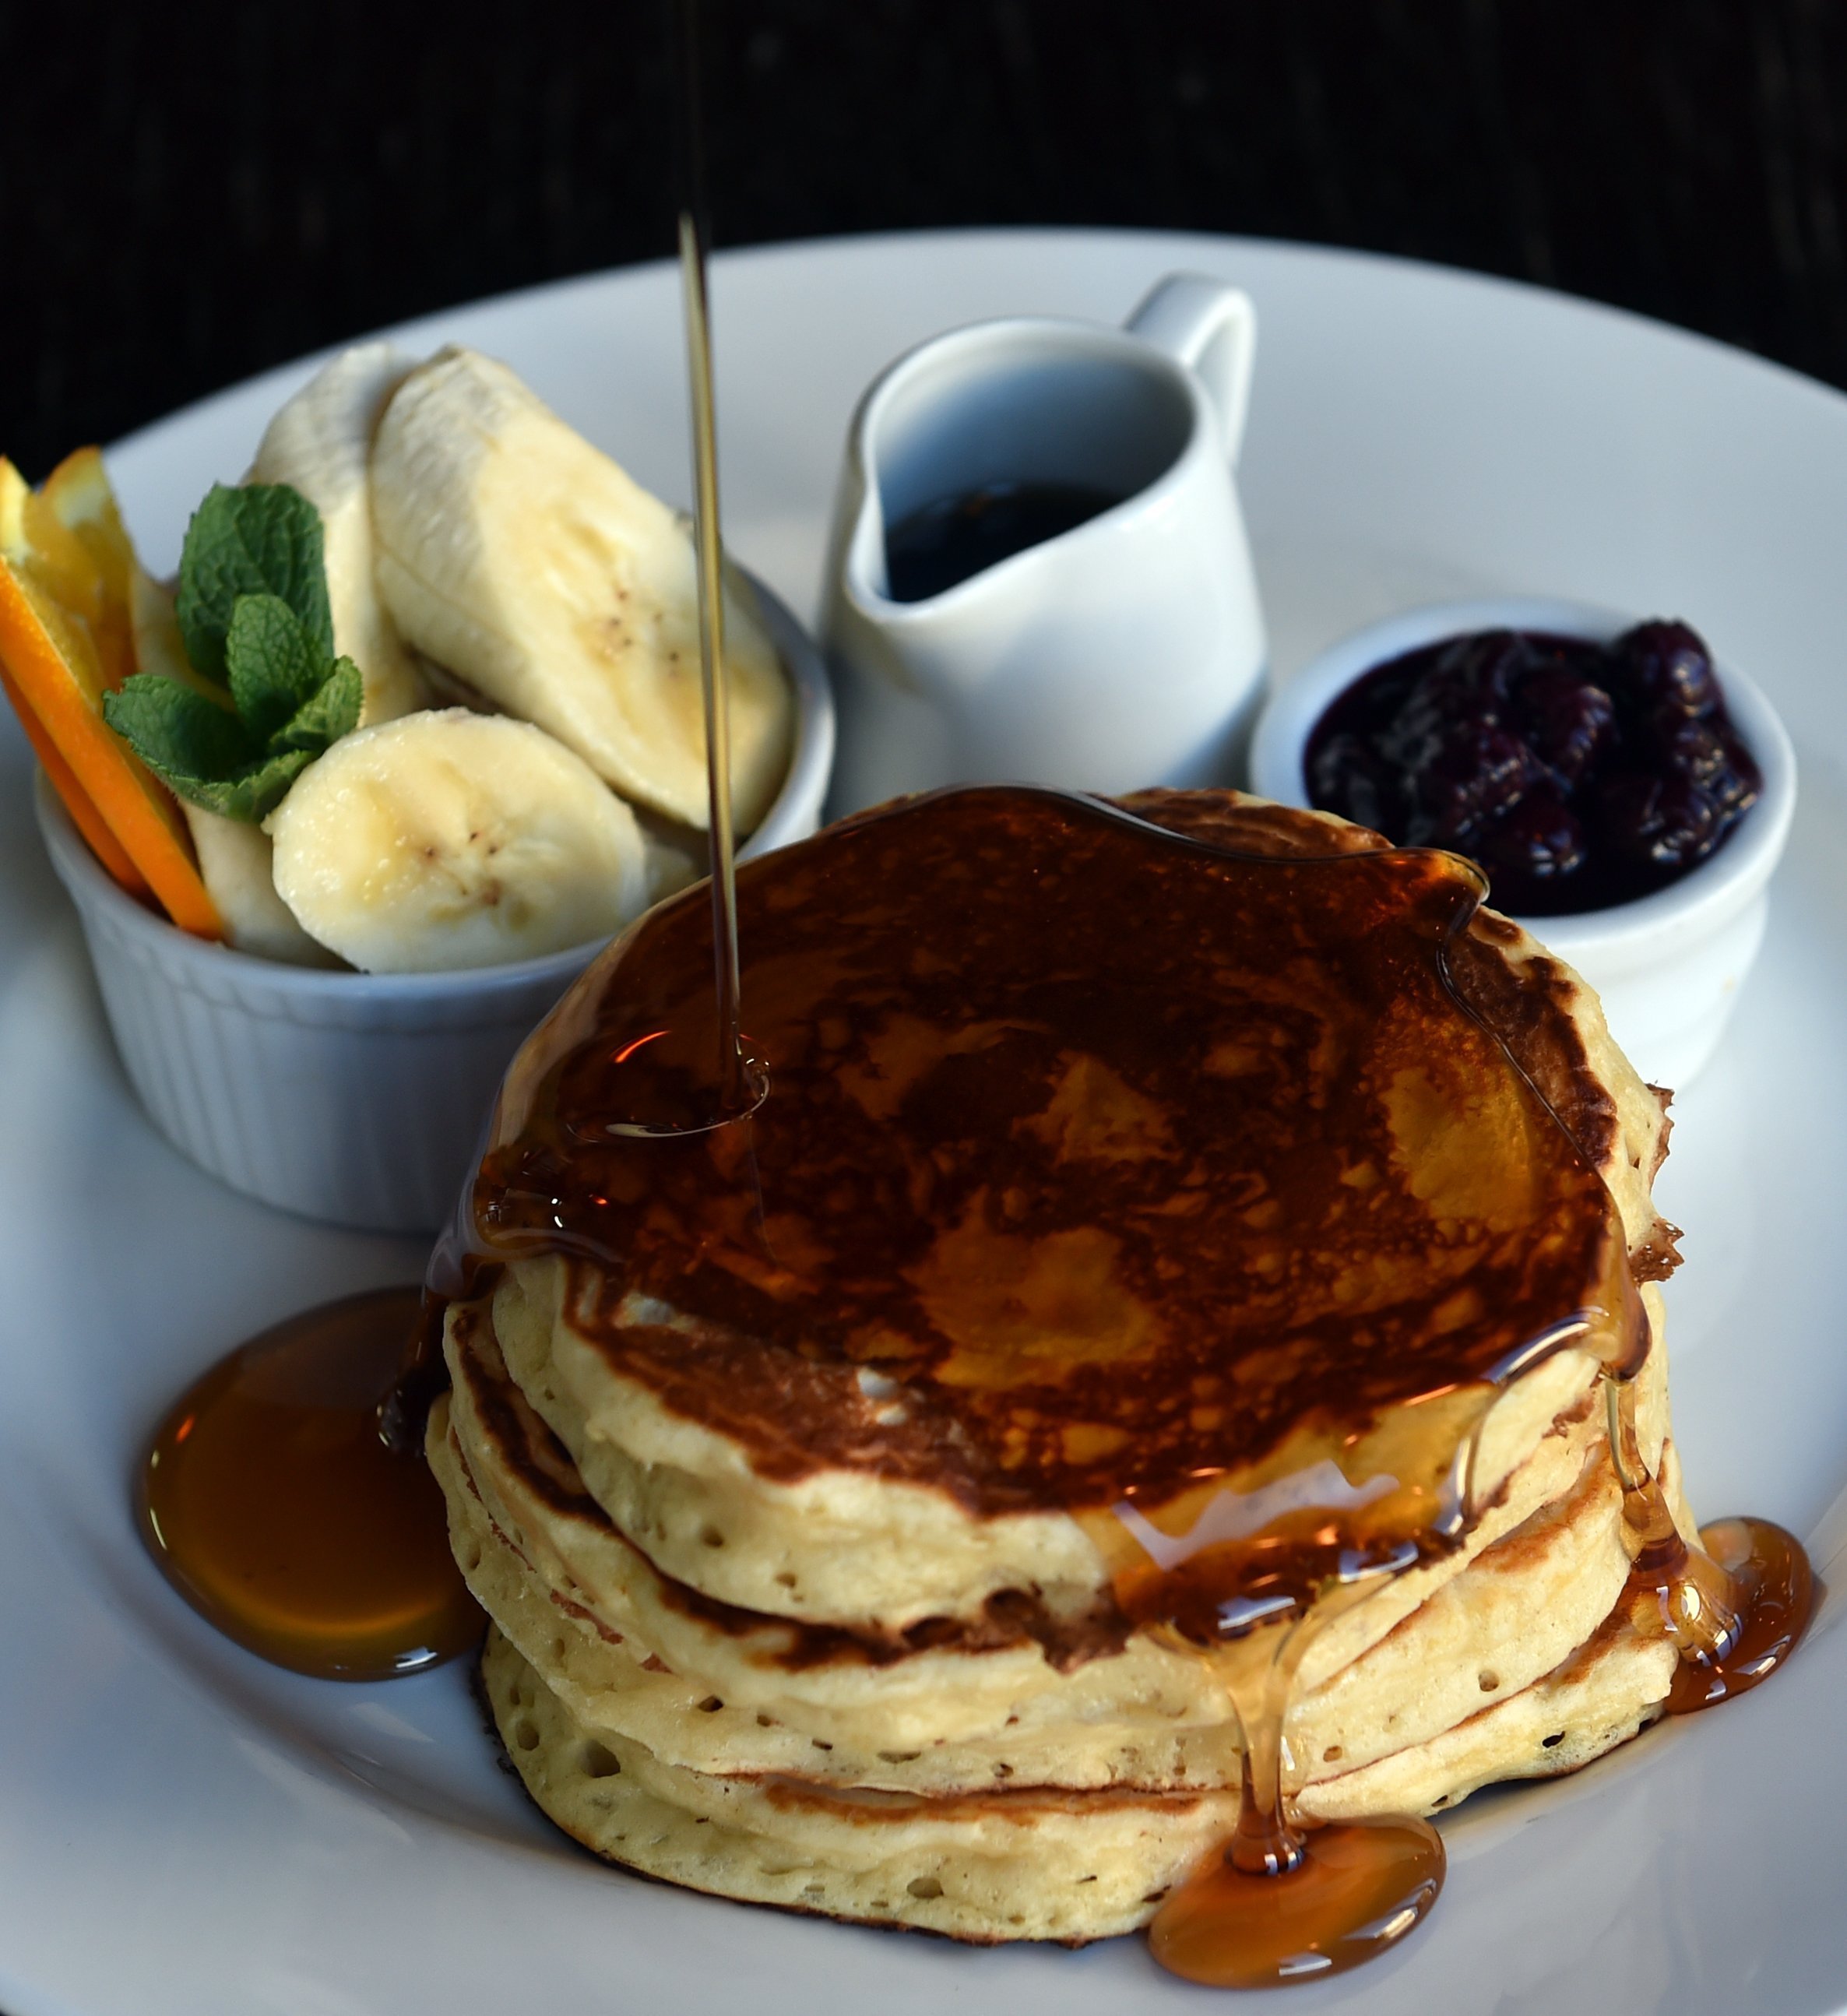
(733, 1089)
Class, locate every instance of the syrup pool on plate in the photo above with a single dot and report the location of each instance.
(275, 1506)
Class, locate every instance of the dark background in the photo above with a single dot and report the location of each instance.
(189, 193)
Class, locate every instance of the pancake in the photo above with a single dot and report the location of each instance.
(1004, 1865)
(1027, 1865)
(716, 1689)
(1156, 1226)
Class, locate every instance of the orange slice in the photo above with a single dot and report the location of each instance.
(77, 800)
(64, 641)
(77, 498)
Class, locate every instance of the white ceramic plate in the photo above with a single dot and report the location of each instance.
(183, 1829)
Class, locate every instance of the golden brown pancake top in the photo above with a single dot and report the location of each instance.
(1097, 1157)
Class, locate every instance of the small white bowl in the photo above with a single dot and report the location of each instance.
(1668, 966)
(356, 1097)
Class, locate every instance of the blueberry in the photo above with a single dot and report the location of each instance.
(1467, 684)
(1737, 781)
(1566, 721)
(1487, 666)
(1540, 839)
(1667, 671)
(1657, 822)
(1692, 750)
(1476, 773)
(1690, 824)
(1735, 786)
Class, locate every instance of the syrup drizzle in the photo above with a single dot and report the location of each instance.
(1349, 1890)
(1283, 1901)
(1736, 1605)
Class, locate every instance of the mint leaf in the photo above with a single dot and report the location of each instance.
(255, 791)
(332, 712)
(199, 750)
(178, 733)
(274, 666)
(264, 539)
(253, 611)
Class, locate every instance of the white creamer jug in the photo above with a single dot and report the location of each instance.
(1127, 651)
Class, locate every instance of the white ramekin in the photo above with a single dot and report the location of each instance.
(355, 1097)
(1668, 967)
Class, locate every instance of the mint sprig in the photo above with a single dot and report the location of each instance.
(254, 613)
(264, 539)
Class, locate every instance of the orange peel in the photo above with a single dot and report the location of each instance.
(66, 639)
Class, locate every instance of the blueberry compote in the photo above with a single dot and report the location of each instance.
(1579, 775)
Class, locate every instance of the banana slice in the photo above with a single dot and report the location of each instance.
(236, 862)
(319, 443)
(234, 858)
(449, 840)
(513, 553)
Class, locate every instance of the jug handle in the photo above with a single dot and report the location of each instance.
(1212, 328)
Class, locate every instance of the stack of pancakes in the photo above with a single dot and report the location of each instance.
(803, 1482)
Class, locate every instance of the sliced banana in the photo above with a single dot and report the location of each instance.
(515, 554)
(319, 443)
(449, 840)
(234, 858)
(237, 861)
